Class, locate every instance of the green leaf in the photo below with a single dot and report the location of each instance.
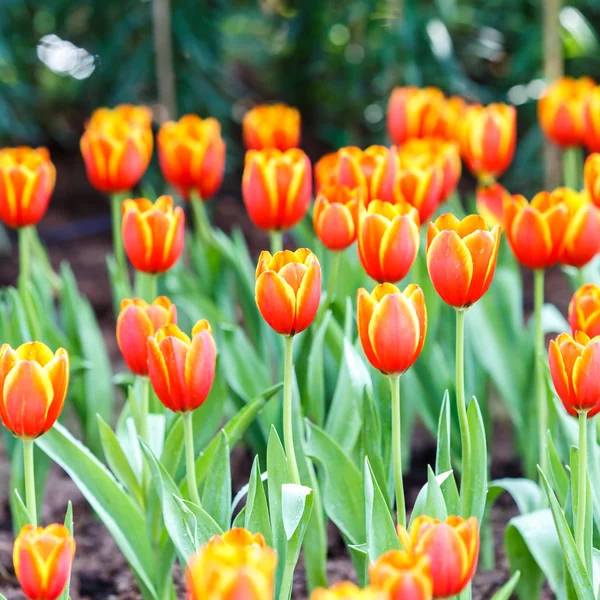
(420, 507)
(576, 489)
(256, 517)
(360, 559)
(216, 498)
(206, 527)
(314, 407)
(172, 452)
(527, 495)
(21, 516)
(557, 472)
(293, 504)
(435, 506)
(478, 461)
(443, 458)
(69, 526)
(506, 591)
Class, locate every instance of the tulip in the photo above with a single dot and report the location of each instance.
(132, 114)
(388, 239)
(402, 575)
(561, 110)
(487, 137)
(591, 176)
(191, 153)
(234, 566)
(153, 233)
(42, 559)
(591, 118)
(335, 216)
(584, 310)
(27, 178)
(490, 201)
(450, 118)
(276, 126)
(452, 547)
(461, 258)
(348, 591)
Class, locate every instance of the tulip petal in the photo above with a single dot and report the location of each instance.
(308, 296)
(57, 371)
(399, 248)
(482, 247)
(586, 376)
(200, 367)
(276, 302)
(560, 377)
(530, 239)
(370, 233)
(158, 373)
(365, 305)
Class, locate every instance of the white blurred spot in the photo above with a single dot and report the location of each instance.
(65, 58)
(339, 35)
(517, 95)
(354, 53)
(373, 113)
(536, 88)
(441, 43)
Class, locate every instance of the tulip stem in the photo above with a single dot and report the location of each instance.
(397, 451)
(30, 481)
(116, 206)
(572, 168)
(188, 428)
(542, 400)
(24, 256)
(201, 220)
(288, 431)
(465, 486)
(144, 404)
(332, 280)
(146, 285)
(582, 485)
(276, 241)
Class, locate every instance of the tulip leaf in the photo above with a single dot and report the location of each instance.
(443, 459)
(256, 516)
(206, 527)
(478, 461)
(240, 519)
(360, 559)
(506, 591)
(527, 495)
(314, 398)
(557, 472)
(435, 506)
(420, 507)
(293, 504)
(576, 489)
(21, 514)
(172, 452)
(69, 525)
(216, 498)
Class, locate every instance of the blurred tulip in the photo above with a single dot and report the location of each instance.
(392, 326)
(461, 258)
(191, 153)
(138, 321)
(277, 187)
(591, 120)
(584, 310)
(275, 126)
(153, 233)
(288, 289)
(348, 591)
(450, 118)
(335, 216)
(182, 370)
(388, 239)
(402, 575)
(574, 366)
(591, 176)
(490, 201)
(27, 178)
(33, 387)
(560, 110)
(116, 148)
(132, 114)
(535, 231)
(42, 559)
(452, 547)
(487, 137)
(234, 566)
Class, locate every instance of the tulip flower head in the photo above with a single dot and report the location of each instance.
(234, 566)
(138, 321)
(574, 366)
(335, 216)
(33, 388)
(182, 370)
(561, 110)
(591, 119)
(490, 201)
(132, 114)
(288, 289)
(402, 575)
(452, 547)
(591, 176)
(27, 178)
(153, 233)
(461, 258)
(42, 559)
(584, 310)
(191, 153)
(348, 591)
(277, 187)
(392, 326)
(275, 126)
(388, 239)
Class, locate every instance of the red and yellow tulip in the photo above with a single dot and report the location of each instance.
(490, 201)
(348, 591)
(275, 126)
(132, 114)
(402, 576)
(591, 120)
(335, 216)
(591, 176)
(584, 310)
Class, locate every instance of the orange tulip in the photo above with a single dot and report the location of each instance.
(402, 576)
(388, 239)
(182, 370)
(450, 118)
(116, 147)
(335, 216)
(560, 111)
(591, 176)
(535, 230)
(574, 366)
(348, 591)
(234, 566)
(452, 547)
(591, 120)
(42, 559)
(490, 201)
(275, 126)
(138, 321)
(33, 388)
(277, 187)
(461, 258)
(584, 310)
(288, 289)
(191, 153)
(487, 137)
(392, 326)
(153, 233)
(27, 178)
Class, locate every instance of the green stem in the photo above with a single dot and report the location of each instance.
(572, 167)
(24, 256)
(146, 285)
(397, 451)
(276, 241)
(144, 403)
(288, 431)
(116, 206)
(287, 581)
(582, 492)
(201, 220)
(30, 480)
(188, 428)
(465, 437)
(542, 400)
(332, 280)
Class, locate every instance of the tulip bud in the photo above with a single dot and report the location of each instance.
(402, 576)
(584, 310)
(182, 370)
(27, 178)
(276, 187)
(138, 321)
(131, 114)
(234, 566)
(153, 233)
(461, 258)
(275, 126)
(591, 176)
(490, 201)
(288, 289)
(591, 120)
(33, 388)
(392, 326)
(191, 153)
(335, 216)
(388, 239)
(348, 591)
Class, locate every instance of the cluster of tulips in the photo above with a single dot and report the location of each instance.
(378, 197)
